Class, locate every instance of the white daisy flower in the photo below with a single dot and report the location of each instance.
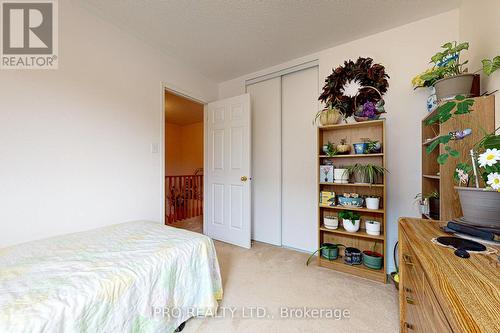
(489, 157)
(494, 180)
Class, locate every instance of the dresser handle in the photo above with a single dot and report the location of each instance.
(407, 259)
(408, 326)
(410, 300)
(408, 290)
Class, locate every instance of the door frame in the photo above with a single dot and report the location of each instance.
(172, 88)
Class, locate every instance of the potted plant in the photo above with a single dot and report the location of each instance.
(373, 228)
(429, 204)
(328, 251)
(423, 204)
(350, 220)
(330, 115)
(369, 110)
(367, 173)
(372, 202)
(352, 256)
(373, 147)
(341, 175)
(481, 205)
(360, 148)
(329, 149)
(373, 259)
(448, 75)
(330, 221)
(434, 209)
(343, 147)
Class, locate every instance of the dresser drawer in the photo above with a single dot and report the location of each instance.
(411, 293)
(422, 312)
(441, 293)
(434, 319)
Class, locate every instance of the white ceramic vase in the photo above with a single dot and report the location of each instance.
(341, 176)
(349, 226)
(372, 228)
(331, 222)
(372, 203)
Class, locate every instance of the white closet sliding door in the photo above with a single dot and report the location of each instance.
(266, 160)
(299, 203)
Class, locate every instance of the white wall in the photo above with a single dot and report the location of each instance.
(480, 26)
(75, 142)
(404, 51)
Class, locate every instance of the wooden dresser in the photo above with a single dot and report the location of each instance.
(440, 292)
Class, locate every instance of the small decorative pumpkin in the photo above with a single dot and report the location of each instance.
(343, 147)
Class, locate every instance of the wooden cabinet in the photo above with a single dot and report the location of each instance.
(440, 292)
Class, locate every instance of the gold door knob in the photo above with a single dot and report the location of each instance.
(244, 178)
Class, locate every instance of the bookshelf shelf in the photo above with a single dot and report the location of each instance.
(352, 156)
(360, 233)
(358, 270)
(354, 209)
(353, 185)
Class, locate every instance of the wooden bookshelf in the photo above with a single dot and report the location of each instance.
(353, 133)
(439, 178)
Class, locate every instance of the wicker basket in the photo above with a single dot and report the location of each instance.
(330, 117)
(359, 118)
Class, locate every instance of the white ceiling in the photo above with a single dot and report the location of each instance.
(224, 39)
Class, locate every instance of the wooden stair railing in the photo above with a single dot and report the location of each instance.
(184, 197)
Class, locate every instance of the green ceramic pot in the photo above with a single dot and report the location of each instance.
(330, 251)
(373, 260)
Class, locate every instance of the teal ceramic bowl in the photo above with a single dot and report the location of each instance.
(373, 260)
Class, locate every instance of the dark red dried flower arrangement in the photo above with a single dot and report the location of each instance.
(366, 73)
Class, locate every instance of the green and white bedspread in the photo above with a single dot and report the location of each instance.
(130, 277)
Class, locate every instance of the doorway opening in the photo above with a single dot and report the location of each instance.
(184, 159)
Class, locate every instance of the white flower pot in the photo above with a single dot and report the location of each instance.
(372, 203)
(341, 176)
(372, 228)
(331, 222)
(349, 226)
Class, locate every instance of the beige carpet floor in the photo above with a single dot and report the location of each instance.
(270, 278)
(193, 224)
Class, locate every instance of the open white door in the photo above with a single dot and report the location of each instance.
(227, 171)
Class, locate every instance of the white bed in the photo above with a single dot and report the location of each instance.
(113, 279)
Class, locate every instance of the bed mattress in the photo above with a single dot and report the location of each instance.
(130, 277)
